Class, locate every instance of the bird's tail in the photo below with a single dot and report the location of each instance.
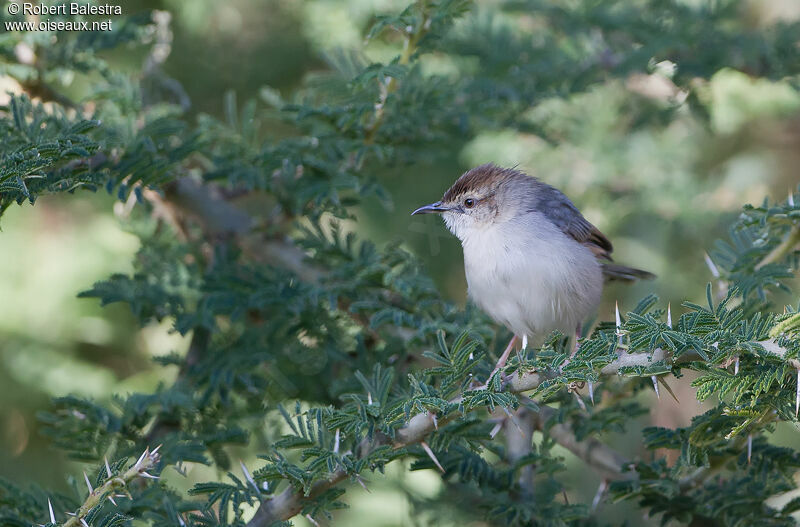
(625, 274)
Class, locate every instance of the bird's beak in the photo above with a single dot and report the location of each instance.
(431, 209)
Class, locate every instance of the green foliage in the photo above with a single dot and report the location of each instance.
(346, 348)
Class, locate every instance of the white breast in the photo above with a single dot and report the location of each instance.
(531, 277)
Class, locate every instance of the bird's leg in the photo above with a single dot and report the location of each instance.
(506, 353)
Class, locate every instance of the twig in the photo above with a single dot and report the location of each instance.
(112, 484)
(592, 451)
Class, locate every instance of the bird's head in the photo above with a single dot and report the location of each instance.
(480, 198)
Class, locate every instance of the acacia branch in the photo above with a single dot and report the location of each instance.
(595, 453)
(112, 485)
(290, 502)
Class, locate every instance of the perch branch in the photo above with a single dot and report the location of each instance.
(593, 452)
(290, 501)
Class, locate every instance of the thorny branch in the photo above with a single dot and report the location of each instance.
(593, 452)
(114, 486)
(290, 501)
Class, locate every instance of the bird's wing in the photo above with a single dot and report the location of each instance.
(564, 215)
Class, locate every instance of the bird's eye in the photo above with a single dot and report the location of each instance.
(469, 203)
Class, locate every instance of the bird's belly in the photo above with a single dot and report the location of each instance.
(534, 292)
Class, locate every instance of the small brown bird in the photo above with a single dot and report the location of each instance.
(533, 262)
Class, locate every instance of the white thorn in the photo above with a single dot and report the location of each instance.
(655, 385)
(70, 513)
(108, 468)
(513, 421)
(111, 499)
(749, 447)
(711, 266)
(663, 381)
(736, 366)
(50, 509)
(791, 198)
(431, 455)
(180, 520)
(669, 315)
(155, 450)
(312, 520)
(435, 422)
(797, 396)
(618, 321)
(336, 442)
(591, 392)
(496, 429)
(265, 486)
(84, 523)
(471, 355)
(361, 482)
(147, 475)
(248, 476)
(369, 397)
(146, 451)
(601, 490)
(524, 342)
(86, 479)
(580, 401)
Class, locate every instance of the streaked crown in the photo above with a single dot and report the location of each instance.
(481, 180)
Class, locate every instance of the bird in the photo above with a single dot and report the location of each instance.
(533, 263)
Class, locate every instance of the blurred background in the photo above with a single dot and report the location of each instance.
(662, 191)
